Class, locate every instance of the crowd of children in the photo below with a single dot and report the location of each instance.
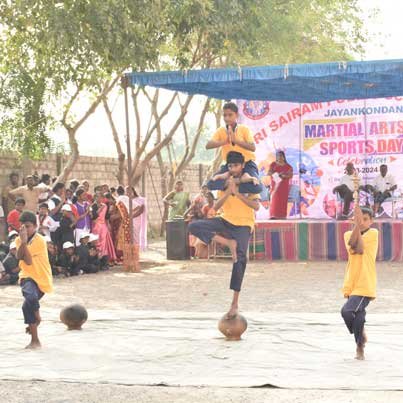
(82, 230)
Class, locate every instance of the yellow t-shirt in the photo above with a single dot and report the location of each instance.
(40, 270)
(242, 133)
(360, 275)
(235, 211)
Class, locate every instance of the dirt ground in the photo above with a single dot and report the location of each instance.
(203, 286)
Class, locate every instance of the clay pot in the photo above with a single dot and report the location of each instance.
(233, 328)
(74, 316)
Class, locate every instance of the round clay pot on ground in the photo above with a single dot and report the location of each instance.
(234, 327)
(74, 316)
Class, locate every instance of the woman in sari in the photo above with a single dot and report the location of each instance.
(281, 173)
(115, 221)
(131, 252)
(100, 227)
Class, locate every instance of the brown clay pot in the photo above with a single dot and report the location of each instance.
(74, 316)
(233, 328)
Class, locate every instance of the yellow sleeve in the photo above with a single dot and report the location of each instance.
(247, 135)
(219, 135)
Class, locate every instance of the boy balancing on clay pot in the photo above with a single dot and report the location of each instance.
(35, 275)
(233, 227)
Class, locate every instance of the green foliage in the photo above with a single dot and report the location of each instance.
(264, 31)
(51, 47)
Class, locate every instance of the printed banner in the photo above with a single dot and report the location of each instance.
(318, 140)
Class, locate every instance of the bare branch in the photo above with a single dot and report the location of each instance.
(161, 116)
(158, 121)
(137, 114)
(185, 161)
(158, 147)
(107, 88)
(69, 105)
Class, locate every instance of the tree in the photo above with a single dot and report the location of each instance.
(76, 49)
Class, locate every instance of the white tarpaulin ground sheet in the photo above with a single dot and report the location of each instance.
(185, 348)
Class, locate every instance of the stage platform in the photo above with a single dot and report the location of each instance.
(296, 240)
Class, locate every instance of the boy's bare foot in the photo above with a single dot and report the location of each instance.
(34, 345)
(232, 312)
(232, 244)
(360, 353)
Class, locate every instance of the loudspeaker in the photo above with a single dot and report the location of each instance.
(177, 240)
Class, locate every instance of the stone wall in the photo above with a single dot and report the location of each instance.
(99, 170)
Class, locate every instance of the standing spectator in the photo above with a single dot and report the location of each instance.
(56, 202)
(177, 201)
(71, 200)
(87, 194)
(100, 228)
(7, 201)
(74, 184)
(281, 173)
(44, 222)
(55, 205)
(30, 193)
(115, 221)
(83, 208)
(13, 218)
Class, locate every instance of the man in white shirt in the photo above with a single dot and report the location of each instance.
(383, 186)
(346, 188)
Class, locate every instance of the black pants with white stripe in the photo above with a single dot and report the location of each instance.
(353, 313)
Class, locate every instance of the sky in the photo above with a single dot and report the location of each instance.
(94, 137)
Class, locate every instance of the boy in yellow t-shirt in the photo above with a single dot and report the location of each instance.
(35, 274)
(233, 227)
(360, 276)
(235, 137)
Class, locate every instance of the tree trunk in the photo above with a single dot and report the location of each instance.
(74, 156)
(72, 128)
(164, 191)
(121, 155)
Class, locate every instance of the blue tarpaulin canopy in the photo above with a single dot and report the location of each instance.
(292, 83)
